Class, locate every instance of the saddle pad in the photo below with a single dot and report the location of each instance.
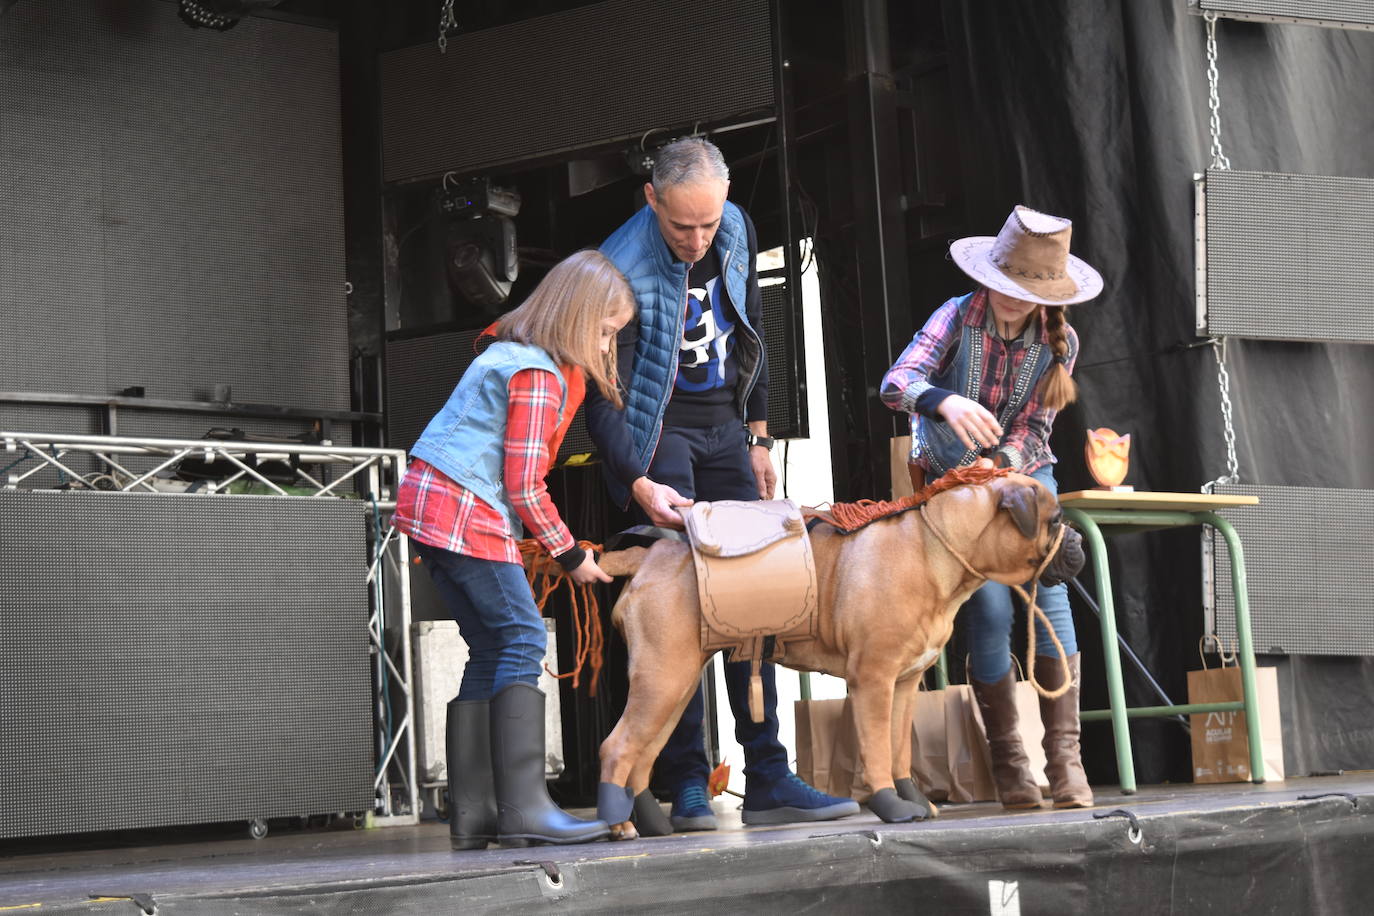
(755, 573)
(736, 528)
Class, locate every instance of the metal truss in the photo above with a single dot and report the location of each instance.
(319, 472)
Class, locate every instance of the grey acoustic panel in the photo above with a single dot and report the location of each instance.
(569, 80)
(174, 205)
(786, 402)
(1357, 14)
(421, 372)
(1308, 554)
(1289, 257)
(181, 659)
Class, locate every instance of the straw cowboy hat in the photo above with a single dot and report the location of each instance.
(1029, 259)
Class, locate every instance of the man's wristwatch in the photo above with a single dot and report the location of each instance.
(764, 441)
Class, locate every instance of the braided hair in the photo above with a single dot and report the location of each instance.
(1057, 388)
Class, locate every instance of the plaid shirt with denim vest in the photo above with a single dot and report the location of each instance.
(434, 510)
(907, 387)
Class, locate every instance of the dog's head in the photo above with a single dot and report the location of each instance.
(1023, 532)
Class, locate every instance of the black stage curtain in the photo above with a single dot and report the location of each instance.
(1099, 111)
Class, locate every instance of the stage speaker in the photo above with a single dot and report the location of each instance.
(587, 76)
(1272, 246)
(1307, 561)
(176, 659)
(1333, 14)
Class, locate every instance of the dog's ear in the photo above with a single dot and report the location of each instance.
(1020, 500)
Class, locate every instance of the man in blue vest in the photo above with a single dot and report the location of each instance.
(695, 426)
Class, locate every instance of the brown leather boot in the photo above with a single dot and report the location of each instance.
(1016, 786)
(1063, 761)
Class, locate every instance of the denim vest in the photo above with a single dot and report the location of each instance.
(659, 283)
(933, 443)
(466, 438)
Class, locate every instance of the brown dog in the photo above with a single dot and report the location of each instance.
(888, 596)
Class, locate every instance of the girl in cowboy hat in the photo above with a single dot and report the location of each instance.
(982, 382)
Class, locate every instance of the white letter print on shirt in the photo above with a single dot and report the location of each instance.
(706, 333)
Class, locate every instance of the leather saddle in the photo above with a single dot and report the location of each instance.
(756, 580)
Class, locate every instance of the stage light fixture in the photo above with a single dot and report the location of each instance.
(479, 236)
(219, 15)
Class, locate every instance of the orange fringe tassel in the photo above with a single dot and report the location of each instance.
(545, 575)
(849, 517)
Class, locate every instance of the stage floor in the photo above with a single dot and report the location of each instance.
(1304, 845)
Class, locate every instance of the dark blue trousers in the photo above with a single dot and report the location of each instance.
(711, 463)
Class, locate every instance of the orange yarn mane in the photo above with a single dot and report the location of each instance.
(545, 576)
(850, 517)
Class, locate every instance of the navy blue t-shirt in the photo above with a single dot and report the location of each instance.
(708, 370)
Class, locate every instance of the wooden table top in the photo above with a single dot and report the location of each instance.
(1145, 499)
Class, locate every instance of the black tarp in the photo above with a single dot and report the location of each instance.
(1099, 110)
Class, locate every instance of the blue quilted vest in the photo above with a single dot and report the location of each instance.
(659, 282)
(466, 438)
(933, 443)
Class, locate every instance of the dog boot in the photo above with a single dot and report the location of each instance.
(648, 816)
(1063, 760)
(692, 808)
(471, 797)
(525, 813)
(1016, 787)
(788, 800)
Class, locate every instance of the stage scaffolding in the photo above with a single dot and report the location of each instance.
(129, 464)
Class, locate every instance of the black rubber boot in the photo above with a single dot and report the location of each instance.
(525, 813)
(471, 796)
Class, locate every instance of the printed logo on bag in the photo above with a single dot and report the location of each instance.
(1219, 726)
(1004, 898)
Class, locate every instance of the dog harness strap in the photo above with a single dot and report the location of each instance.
(756, 689)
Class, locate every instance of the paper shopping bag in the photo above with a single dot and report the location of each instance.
(899, 458)
(819, 724)
(1221, 744)
(847, 776)
(1032, 731)
(970, 762)
(929, 747)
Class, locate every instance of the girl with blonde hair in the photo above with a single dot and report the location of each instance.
(476, 476)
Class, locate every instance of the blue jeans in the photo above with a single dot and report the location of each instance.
(492, 603)
(987, 615)
(712, 463)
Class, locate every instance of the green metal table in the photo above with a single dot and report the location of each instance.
(1098, 513)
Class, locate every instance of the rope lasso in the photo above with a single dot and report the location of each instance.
(1033, 611)
(544, 576)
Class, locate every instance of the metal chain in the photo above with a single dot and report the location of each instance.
(1219, 160)
(446, 23)
(1232, 474)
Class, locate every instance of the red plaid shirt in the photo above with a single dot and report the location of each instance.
(906, 386)
(434, 510)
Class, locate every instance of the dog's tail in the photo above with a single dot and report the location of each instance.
(622, 563)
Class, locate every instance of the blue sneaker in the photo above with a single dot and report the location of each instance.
(789, 800)
(692, 809)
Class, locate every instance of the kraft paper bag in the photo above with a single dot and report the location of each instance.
(931, 743)
(1031, 729)
(819, 724)
(847, 777)
(898, 458)
(970, 762)
(929, 748)
(1221, 745)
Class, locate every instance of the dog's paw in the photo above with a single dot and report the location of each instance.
(893, 809)
(624, 831)
(906, 788)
